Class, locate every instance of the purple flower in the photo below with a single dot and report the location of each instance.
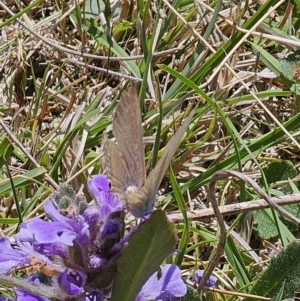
(108, 203)
(11, 258)
(45, 232)
(81, 239)
(72, 282)
(74, 254)
(167, 288)
(25, 296)
(54, 238)
(93, 295)
(198, 276)
(34, 279)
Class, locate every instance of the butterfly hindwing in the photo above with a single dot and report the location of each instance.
(117, 169)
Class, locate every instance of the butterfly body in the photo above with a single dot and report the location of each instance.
(125, 162)
(139, 204)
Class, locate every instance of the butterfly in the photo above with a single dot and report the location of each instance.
(125, 162)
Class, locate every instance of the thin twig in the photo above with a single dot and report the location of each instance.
(219, 251)
(237, 208)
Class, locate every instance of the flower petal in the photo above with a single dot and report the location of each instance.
(108, 203)
(198, 276)
(46, 232)
(11, 258)
(169, 285)
(72, 282)
(94, 295)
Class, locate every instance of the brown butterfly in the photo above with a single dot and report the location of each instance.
(125, 163)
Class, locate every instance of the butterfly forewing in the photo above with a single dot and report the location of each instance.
(127, 128)
(156, 175)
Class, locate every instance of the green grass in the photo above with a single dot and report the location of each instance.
(59, 93)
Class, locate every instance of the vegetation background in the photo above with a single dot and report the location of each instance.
(63, 66)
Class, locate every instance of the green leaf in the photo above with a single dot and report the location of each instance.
(285, 267)
(266, 227)
(280, 171)
(154, 240)
(289, 65)
(278, 68)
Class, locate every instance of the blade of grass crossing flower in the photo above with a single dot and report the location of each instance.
(181, 204)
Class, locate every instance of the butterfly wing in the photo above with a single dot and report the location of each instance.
(127, 128)
(149, 190)
(116, 169)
